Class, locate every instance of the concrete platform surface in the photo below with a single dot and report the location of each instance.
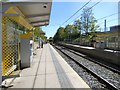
(48, 70)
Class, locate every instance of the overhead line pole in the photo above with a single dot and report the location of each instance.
(105, 25)
(107, 17)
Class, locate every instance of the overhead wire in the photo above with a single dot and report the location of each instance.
(108, 16)
(102, 17)
(89, 8)
(109, 21)
(76, 12)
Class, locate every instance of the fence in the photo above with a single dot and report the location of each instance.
(10, 46)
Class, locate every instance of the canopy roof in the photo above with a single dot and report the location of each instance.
(36, 13)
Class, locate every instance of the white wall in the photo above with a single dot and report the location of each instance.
(25, 52)
(0, 43)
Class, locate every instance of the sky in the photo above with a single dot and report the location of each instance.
(61, 11)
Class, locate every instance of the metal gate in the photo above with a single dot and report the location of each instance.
(10, 46)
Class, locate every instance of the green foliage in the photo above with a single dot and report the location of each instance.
(77, 25)
(59, 36)
(3, 0)
(88, 23)
(68, 33)
(76, 40)
(50, 38)
(82, 29)
(38, 33)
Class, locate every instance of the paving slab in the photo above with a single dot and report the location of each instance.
(40, 81)
(41, 69)
(48, 70)
(31, 71)
(23, 82)
(67, 73)
(52, 81)
(76, 81)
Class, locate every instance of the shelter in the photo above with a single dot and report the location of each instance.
(19, 18)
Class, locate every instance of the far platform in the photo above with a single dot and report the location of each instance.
(48, 70)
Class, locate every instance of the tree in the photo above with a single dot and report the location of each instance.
(69, 33)
(60, 35)
(84, 27)
(50, 38)
(77, 27)
(88, 24)
(3, 0)
(39, 33)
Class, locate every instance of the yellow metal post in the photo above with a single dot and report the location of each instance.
(0, 44)
(10, 43)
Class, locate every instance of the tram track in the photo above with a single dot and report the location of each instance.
(72, 54)
(96, 61)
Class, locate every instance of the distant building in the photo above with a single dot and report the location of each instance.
(115, 28)
(109, 39)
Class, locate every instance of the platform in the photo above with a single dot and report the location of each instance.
(48, 70)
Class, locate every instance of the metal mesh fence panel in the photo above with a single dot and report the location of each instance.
(9, 46)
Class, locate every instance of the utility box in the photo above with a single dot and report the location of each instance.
(25, 50)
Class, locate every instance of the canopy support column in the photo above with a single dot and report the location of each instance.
(0, 43)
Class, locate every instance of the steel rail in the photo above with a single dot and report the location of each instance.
(90, 71)
(96, 61)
